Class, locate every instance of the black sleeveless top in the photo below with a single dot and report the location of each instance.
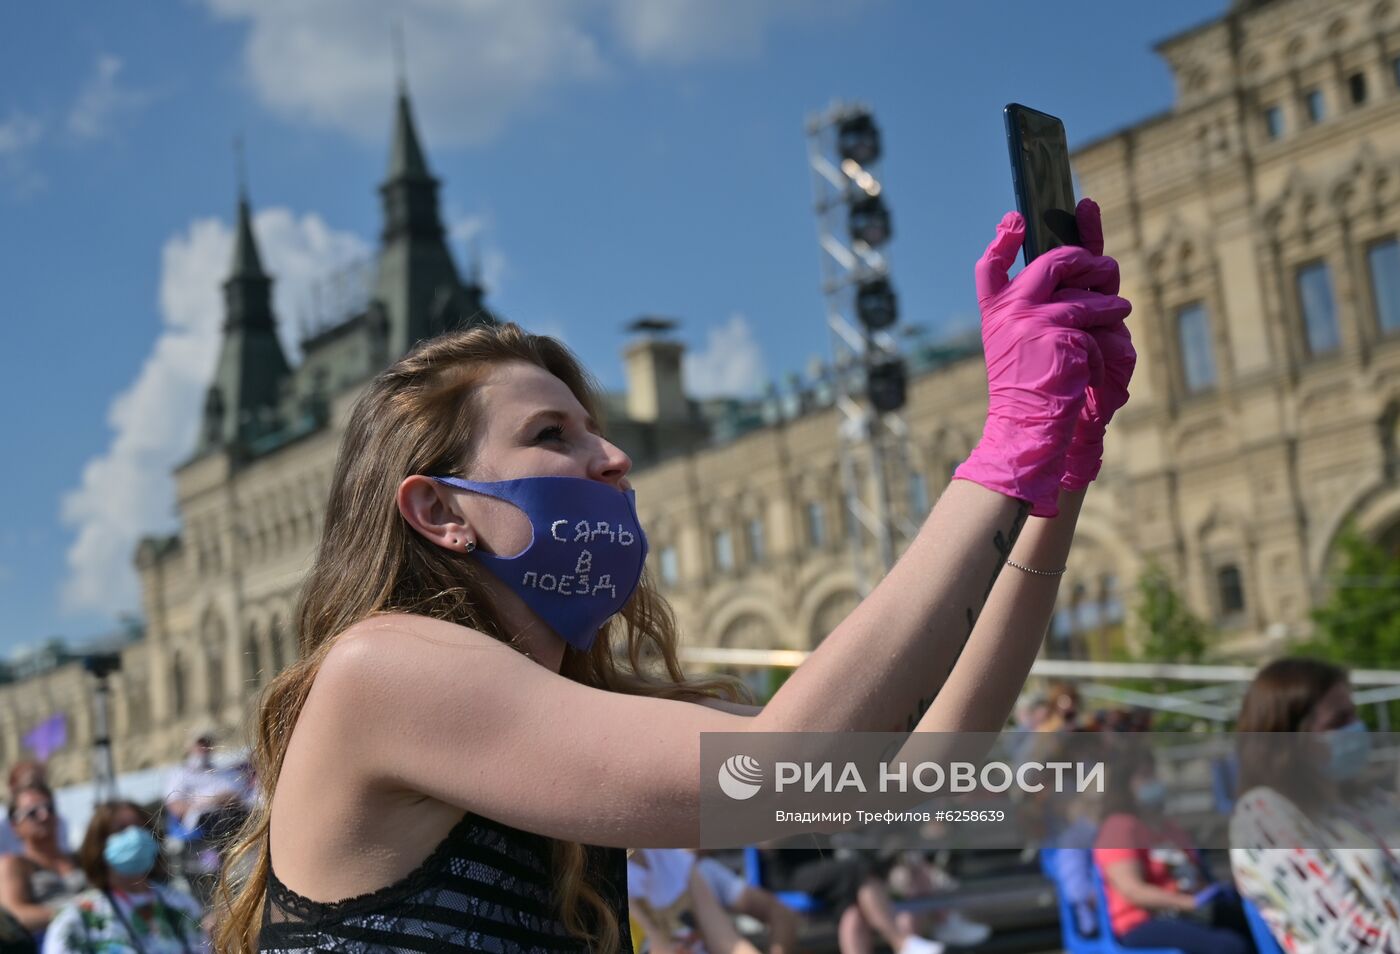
(485, 887)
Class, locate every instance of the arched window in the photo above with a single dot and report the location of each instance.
(1230, 586)
(214, 669)
(252, 654)
(274, 639)
(177, 684)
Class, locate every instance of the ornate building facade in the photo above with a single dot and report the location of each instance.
(1257, 224)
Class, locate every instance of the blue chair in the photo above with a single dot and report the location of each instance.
(1070, 938)
(1224, 782)
(799, 901)
(1264, 939)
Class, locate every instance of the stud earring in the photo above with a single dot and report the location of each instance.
(471, 545)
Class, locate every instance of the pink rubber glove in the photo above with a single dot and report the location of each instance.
(1101, 400)
(1040, 359)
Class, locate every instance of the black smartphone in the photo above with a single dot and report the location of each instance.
(1040, 175)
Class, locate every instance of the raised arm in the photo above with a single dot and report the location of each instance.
(450, 713)
(883, 667)
(992, 666)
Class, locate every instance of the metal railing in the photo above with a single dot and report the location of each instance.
(1217, 702)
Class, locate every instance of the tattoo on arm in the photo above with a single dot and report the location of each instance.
(1003, 542)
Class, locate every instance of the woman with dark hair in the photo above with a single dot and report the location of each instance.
(27, 773)
(1153, 875)
(127, 909)
(488, 708)
(1315, 854)
(42, 877)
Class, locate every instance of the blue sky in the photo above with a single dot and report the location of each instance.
(607, 157)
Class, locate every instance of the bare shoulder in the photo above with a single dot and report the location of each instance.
(382, 661)
(382, 643)
(387, 627)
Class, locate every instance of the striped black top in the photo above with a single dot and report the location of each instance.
(486, 887)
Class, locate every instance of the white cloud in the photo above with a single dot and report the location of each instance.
(688, 30)
(470, 233)
(475, 66)
(127, 490)
(20, 133)
(470, 65)
(102, 100)
(730, 364)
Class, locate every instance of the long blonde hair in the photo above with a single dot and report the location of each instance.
(418, 417)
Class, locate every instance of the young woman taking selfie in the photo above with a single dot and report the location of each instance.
(462, 753)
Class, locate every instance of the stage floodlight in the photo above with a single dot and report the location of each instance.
(869, 221)
(886, 384)
(876, 305)
(858, 138)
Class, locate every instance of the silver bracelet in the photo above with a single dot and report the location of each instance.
(1059, 572)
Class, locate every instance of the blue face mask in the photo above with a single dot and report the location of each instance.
(586, 556)
(1349, 747)
(1150, 794)
(131, 851)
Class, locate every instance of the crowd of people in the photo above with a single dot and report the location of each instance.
(685, 900)
(1311, 850)
(116, 891)
(1123, 852)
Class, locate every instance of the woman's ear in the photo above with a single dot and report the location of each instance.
(431, 509)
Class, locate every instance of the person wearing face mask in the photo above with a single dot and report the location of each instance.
(42, 876)
(488, 708)
(1159, 894)
(200, 787)
(1310, 847)
(127, 910)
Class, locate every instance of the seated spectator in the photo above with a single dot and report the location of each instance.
(126, 911)
(915, 877)
(201, 793)
(210, 803)
(675, 906)
(38, 880)
(1315, 897)
(737, 896)
(853, 887)
(24, 774)
(1153, 874)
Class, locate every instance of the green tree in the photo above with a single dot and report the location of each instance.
(1172, 633)
(1359, 624)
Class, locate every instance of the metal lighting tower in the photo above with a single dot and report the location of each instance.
(104, 775)
(853, 224)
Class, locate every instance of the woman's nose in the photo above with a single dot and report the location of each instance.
(610, 464)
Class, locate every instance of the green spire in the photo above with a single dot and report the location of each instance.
(246, 261)
(244, 394)
(406, 155)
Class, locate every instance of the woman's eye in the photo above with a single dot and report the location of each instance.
(554, 433)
